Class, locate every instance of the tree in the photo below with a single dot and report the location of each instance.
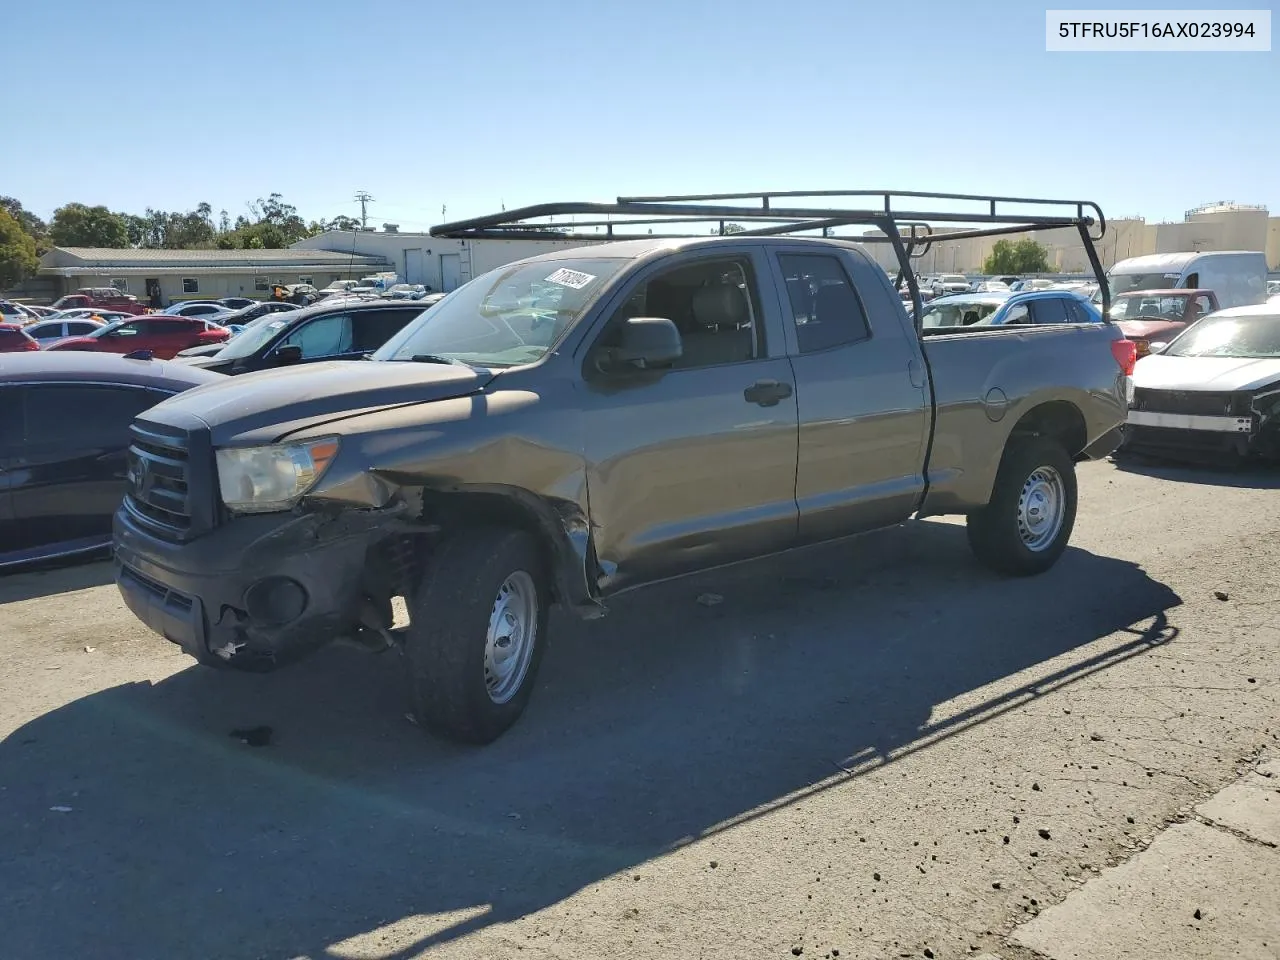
(18, 259)
(340, 222)
(32, 225)
(1024, 256)
(77, 225)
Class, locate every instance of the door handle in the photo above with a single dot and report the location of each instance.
(767, 393)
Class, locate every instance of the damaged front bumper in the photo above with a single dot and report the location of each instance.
(1206, 425)
(254, 594)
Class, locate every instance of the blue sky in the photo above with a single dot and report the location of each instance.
(137, 102)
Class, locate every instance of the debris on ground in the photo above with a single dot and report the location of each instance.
(1044, 834)
(1197, 914)
(1221, 596)
(710, 599)
(90, 649)
(253, 736)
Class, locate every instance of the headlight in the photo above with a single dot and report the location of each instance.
(264, 479)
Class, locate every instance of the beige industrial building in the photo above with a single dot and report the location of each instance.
(1219, 226)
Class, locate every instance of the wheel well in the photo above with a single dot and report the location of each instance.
(455, 512)
(1059, 419)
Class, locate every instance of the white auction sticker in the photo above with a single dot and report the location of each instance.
(1155, 31)
(570, 278)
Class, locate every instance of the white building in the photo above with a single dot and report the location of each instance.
(438, 262)
(200, 274)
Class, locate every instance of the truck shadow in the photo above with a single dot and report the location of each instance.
(1252, 476)
(694, 705)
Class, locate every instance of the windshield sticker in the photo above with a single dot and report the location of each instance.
(1172, 276)
(570, 278)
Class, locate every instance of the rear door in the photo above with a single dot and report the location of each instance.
(860, 386)
(71, 470)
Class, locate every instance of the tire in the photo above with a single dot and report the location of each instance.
(461, 686)
(1017, 538)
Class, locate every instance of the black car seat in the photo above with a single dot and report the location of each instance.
(722, 327)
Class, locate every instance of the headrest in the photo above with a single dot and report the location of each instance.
(720, 306)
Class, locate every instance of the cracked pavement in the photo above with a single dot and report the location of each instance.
(875, 747)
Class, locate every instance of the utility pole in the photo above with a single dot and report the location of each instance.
(363, 198)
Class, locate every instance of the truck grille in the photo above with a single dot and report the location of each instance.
(1201, 403)
(170, 488)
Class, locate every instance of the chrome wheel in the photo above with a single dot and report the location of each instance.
(1041, 508)
(513, 629)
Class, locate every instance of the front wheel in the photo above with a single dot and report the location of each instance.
(476, 634)
(1025, 527)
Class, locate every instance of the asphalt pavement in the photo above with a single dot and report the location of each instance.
(876, 748)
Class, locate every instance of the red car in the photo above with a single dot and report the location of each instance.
(163, 335)
(13, 338)
(105, 298)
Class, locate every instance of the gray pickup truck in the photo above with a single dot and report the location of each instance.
(588, 421)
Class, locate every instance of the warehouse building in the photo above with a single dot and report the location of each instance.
(200, 274)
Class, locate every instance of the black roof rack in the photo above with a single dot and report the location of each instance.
(904, 218)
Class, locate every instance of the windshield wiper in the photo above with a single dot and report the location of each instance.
(436, 358)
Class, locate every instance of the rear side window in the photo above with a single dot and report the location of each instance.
(824, 305)
(68, 417)
(1050, 310)
(1078, 313)
(373, 328)
(75, 329)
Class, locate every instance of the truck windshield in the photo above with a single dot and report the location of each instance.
(509, 316)
(1150, 308)
(1124, 282)
(254, 336)
(1254, 338)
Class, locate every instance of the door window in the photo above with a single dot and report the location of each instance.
(373, 328)
(1199, 306)
(323, 337)
(73, 417)
(1078, 312)
(824, 305)
(1049, 310)
(713, 304)
(1018, 313)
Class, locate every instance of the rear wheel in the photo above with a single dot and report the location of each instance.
(476, 633)
(1026, 526)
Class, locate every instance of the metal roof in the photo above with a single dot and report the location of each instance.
(64, 260)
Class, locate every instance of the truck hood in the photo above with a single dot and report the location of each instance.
(1219, 374)
(268, 405)
(1148, 329)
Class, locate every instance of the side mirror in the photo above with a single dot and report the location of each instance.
(646, 342)
(1158, 347)
(289, 353)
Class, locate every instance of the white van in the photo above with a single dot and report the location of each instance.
(1238, 277)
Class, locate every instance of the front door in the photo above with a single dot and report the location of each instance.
(413, 269)
(692, 466)
(450, 271)
(71, 473)
(863, 409)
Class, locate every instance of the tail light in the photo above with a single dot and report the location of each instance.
(1126, 354)
(30, 345)
(212, 336)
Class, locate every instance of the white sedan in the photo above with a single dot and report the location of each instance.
(1212, 391)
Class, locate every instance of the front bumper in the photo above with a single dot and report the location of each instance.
(256, 593)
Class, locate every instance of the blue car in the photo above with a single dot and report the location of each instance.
(1001, 309)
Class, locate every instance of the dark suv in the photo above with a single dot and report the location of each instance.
(329, 331)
